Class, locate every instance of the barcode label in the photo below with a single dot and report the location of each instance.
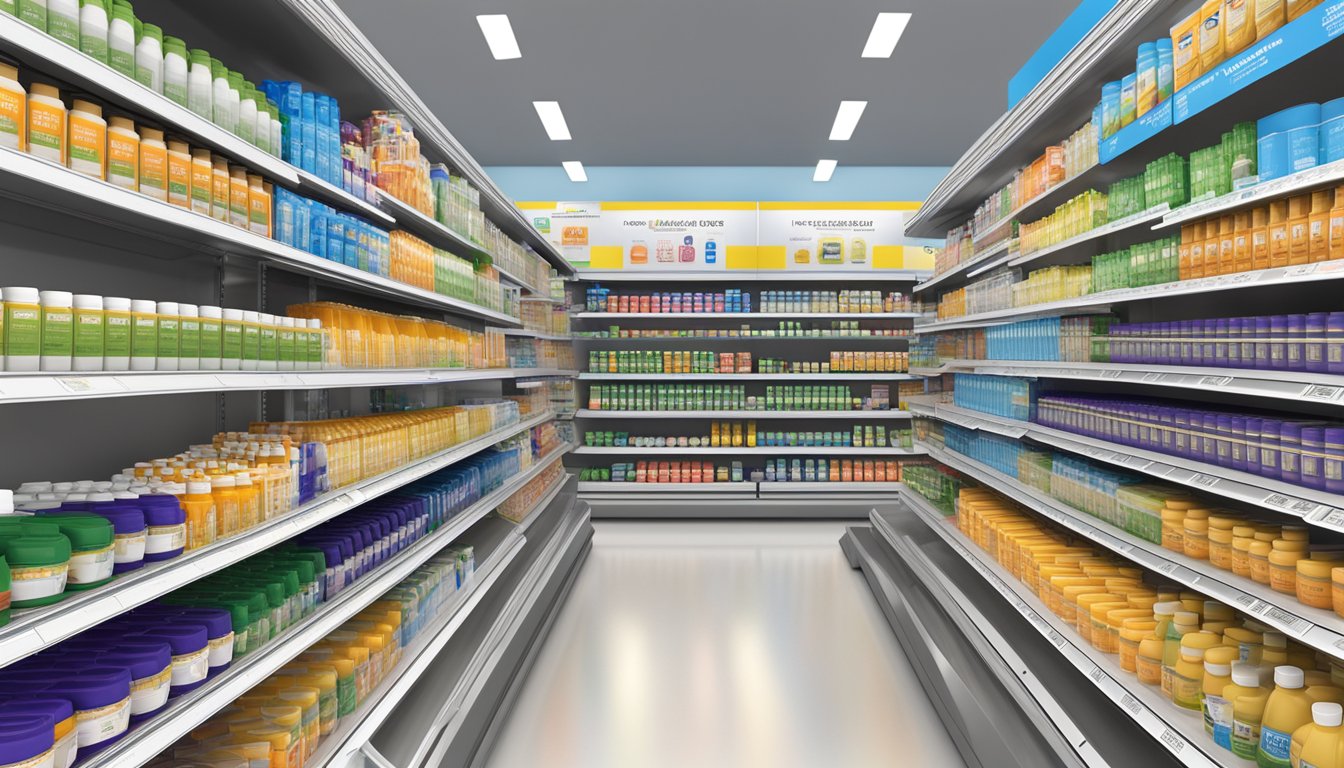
(1245, 600)
(1306, 269)
(1317, 392)
(1096, 674)
(1174, 742)
(1111, 374)
(1154, 376)
(1132, 704)
(1215, 381)
(75, 384)
(1278, 500)
(1289, 621)
(1304, 507)
(1168, 567)
(1332, 517)
(1208, 481)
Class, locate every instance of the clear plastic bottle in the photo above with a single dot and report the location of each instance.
(149, 58)
(223, 98)
(200, 84)
(175, 70)
(121, 40)
(93, 24)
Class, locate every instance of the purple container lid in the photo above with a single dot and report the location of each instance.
(1334, 435)
(23, 737)
(331, 551)
(162, 509)
(183, 638)
(217, 621)
(125, 519)
(94, 687)
(143, 658)
(57, 708)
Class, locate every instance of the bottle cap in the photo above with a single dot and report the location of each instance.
(1288, 677)
(214, 313)
(153, 32)
(167, 308)
(57, 298)
(188, 310)
(1246, 674)
(21, 295)
(1327, 714)
(144, 306)
(87, 301)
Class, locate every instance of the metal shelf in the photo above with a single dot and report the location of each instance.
(30, 180)
(1182, 735)
(961, 270)
(760, 450)
(1329, 175)
(737, 276)
(1311, 506)
(531, 334)
(1100, 233)
(1321, 388)
(587, 413)
(46, 387)
(589, 486)
(748, 315)
(187, 712)
(544, 503)
(30, 631)
(746, 376)
(827, 487)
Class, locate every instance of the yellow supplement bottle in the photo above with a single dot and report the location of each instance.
(1182, 624)
(1287, 709)
(199, 504)
(1217, 710)
(202, 180)
(13, 110)
(1187, 682)
(239, 206)
(88, 139)
(46, 123)
(123, 154)
(1245, 699)
(1318, 225)
(180, 169)
(1185, 41)
(219, 188)
(224, 490)
(1320, 743)
(153, 164)
(1295, 8)
(1238, 26)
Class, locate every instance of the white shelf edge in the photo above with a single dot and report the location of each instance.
(528, 333)
(819, 451)
(585, 376)
(1141, 704)
(1320, 628)
(586, 413)
(601, 486)
(748, 315)
(960, 269)
(32, 630)
(828, 487)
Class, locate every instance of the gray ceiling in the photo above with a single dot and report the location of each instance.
(712, 82)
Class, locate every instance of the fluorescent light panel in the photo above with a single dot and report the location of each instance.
(847, 119)
(886, 33)
(552, 119)
(575, 170)
(824, 170)
(499, 36)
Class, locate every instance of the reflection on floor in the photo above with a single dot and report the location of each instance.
(707, 644)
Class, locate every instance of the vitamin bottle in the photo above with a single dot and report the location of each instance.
(248, 509)
(13, 110)
(175, 69)
(123, 153)
(189, 351)
(58, 330)
(317, 341)
(180, 168)
(200, 84)
(144, 335)
(1246, 699)
(199, 504)
(285, 343)
(219, 188)
(1241, 242)
(170, 336)
(238, 196)
(247, 113)
(1287, 709)
(121, 40)
(63, 21)
(263, 130)
(224, 99)
(93, 24)
(1216, 708)
(1320, 743)
(22, 328)
(116, 333)
(1188, 674)
(89, 325)
(267, 343)
(251, 340)
(212, 338)
(88, 139)
(224, 491)
(46, 123)
(1318, 226)
(202, 181)
(1278, 233)
(1260, 238)
(231, 340)
(1299, 219)
(153, 164)
(258, 206)
(149, 58)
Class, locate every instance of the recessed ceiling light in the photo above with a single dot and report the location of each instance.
(575, 170)
(887, 31)
(824, 170)
(846, 119)
(499, 36)
(552, 119)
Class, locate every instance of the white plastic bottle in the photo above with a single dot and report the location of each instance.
(270, 333)
(89, 330)
(231, 357)
(13, 111)
(224, 99)
(277, 132)
(63, 21)
(175, 69)
(149, 58)
(249, 318)
(286, 330)
(93, 24)
(58, 330)
(144, 334)
(23, 329)
(189, 355)
(200, 84)
(247, 114)
(262, 133)
(121, 40)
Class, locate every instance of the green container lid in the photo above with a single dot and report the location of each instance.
(217, 69)
(236, 606)
(150, 30)
(14, 526)
(86, 532)
(124, 13)
(236, 80)
(175, 44)
(318, 558)
(272, 589)
(36, 550)
(304, 569)
(4, 591)
(200, 56)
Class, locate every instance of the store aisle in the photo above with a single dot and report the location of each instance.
(721, 644)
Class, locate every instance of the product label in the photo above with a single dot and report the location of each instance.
(122, 61)
(251, 341)
(37, 583)
(116, 335)
(211, 339)
(268, 343)
(95, 726)
(23, 330)
(176, 92)
(150, 693)
(11, 118)
(1218, 719)
(123, 161)
(33, 12)
(87, 143)
(238, 205)
(201, 179)
(165, 538)
(58, 331)
(89, 333)
(91, 567)
(1245, 738)
(128, 548)
(259, 213)
(46, 131)
(154, 172)
(191, 668)
(7, 6)
(179, 180)
(144, 76)
(144, 335)
(191, 338)
(94, 47)
(231, 341)
(1274, 748)
(219, 195)
(170, 336)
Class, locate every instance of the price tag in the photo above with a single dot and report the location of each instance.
(1332, 517)
(1056, 638)
(1173, 741)
(1215, 381)
(77, 385)
(1322, 393)
(1154, 376)
(1245, 600)
(1278, 500)
(1294, 624)
(1096, 674)
(1305, 269)
(1111, 373)
(1208, 481)
(1168, 567)
(1132, 704)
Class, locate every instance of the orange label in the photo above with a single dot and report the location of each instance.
(46, 131)
(123, 161)
(574, 235)
(154, 172)
(88, 146)
(13, 121)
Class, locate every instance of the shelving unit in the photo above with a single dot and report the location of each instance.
(748, 276)
(684, 316)
(585, 413)
(746, 377)
(777, 450)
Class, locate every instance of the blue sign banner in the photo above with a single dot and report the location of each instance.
(1146, 127)
(1290, 43)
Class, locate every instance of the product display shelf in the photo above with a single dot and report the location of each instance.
(1134, 221)
(995, 254)
(545, 502)
(497, 547)
(859, 376)
(1321, 629)
(1320, 388)
(1322, 176)
(759, 450)
(1316, 508)
(827, 487)
(434, 233)
(30, 631)
(1180, 733)
(738, 339)
(99, 205)
(531, 334)
(747, 276)
(1045, 203)
(695, 489)
(46, 387)
(589, 413)
(1095, 303)
(54, 58)
(747, 315)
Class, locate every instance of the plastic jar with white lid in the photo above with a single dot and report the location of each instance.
(123, 153)
(212, 337)
(285, 347)
(223, 99)
(262, 135)
(58, 330)
(149, 58)
(22, 323)
(87, 139)
(116, 333)
(90, 323)
(231, 342)
(46, 123)
(175, 70)
(170, 336)
(93, 23)
(189, 351)
(200, 84)
(13, 109)
(144, 335)
(121, 40)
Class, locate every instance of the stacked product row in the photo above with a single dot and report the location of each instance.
(729, 397)
(783, 470)
(738, 301)
(786, 329)
(736, 434)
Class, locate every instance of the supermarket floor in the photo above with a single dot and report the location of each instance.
(721, 644)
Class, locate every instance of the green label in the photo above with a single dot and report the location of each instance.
(23, 331)
(88, 333)
(231, 341)
(176, 93)
(34, 13)
(191, 338)
(144, 336)
(251, 342)
(268, 345)
(94, 47)
(177, 189)
(121, 170)
(286, 345)
(87, 154)
(44, 139)
(58, 331)
(199, 194)
(144, 76)
(170, 336)
(63, 28)
(2, 332)
(212, 340)
(9, 126)
(122, 61)
(7, 6)
(117, 336)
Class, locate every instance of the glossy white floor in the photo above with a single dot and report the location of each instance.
(721, 644)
